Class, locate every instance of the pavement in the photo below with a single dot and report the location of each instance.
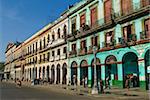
(113, 93)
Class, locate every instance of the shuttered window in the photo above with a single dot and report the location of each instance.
(83, 44)
(145, 3)
(93, 16)
(107, 10)
(147, 28)
(73, 47)
(126, 6)
(82, 19)
(94, 41)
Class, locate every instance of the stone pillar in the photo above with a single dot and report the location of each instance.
(89, 76)
(61, 72)
(141, 66)
(103, 72)
(55, 75)
(78, 75)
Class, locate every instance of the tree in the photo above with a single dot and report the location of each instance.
(2, 66)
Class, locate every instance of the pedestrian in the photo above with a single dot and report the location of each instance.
(101, 86)
(127, 82)
(86, 82)
(107, 83)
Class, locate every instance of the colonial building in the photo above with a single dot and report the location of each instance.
(119, 29)
(114, 35)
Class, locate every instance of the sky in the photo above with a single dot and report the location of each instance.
(20, 19)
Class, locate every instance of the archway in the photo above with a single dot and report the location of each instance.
(30, 74)
(40, 73)
(130, 68)
(64, 73)
(43, 75)
(36, 72)
(74, 72)
(83, 71)
(53, 73)
(147, 69)
(47, 70)
(98, 70)
(58, 74)
(111, 71)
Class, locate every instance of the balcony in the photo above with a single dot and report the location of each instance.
(90, 49)
(52, 58)
(82, 51)
(135, 11)
(57, 57)
(64, 56)
(73, 53)
(144, 37)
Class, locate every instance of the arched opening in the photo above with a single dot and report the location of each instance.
(130, 68)
(58, 74)
(74, 73)
(43, 75)
(98, 70)
(30, 73)
(53, 74)
(64, 73)
(40, 73)
(111, 71)
(147, 69)
(36, 72)
(47, 70)
(83, 71)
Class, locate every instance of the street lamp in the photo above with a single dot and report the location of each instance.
(95, 87)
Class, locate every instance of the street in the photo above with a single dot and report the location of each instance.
(9, 91)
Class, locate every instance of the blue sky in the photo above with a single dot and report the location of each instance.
(20, 19)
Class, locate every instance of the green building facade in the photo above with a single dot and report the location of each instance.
(121, 38)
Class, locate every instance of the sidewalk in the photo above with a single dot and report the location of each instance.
(133, 93)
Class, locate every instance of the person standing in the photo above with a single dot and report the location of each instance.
(107, 83)
(86, 82)
(101, 86)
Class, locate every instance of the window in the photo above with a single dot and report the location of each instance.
(33, 48)
(94, 41)
(30, 49)
(53, 53)
(109, 38)
(64, 49)
(73, 25)
(58, 52)
(82, 20)
(40, 44)
(145, 2)
(83, 44)
(74, 47)
(40, 58)
(126, 6)
(147, 28)
(48, 38)
(44, 57)
(35, 59)
(127, 31)
(107, 10)
(58, 33)
(65, 30)
(93, 16)
(36, 45)
(53, 37)
(44, 42)
(48, 56)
